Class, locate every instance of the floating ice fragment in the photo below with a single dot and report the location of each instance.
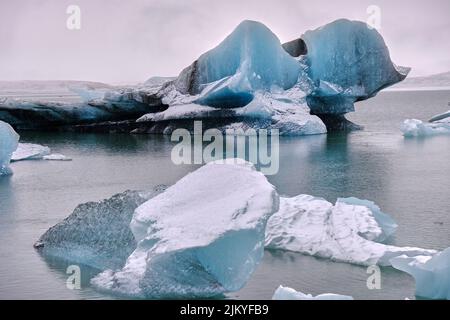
(286, 293)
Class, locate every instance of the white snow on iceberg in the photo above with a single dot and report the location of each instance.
(8, 144)
(286, 293)
(344, 232)
(202, 237)
(417, 128)
(30, 151)
(432, 274)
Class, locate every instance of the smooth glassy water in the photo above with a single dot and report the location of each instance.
(407, 178)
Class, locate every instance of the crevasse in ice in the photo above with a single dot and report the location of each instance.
(189, 243)
(432, 274)
(8, 144)
(286, 293)
(348, 62)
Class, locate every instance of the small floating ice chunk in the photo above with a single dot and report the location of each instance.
(443, 117)
(385, 222)
(8, 143)
(96, 233)
(30, 151)
(286, 293)
(202, 237)
(56, 157)
(432, 274)
(417, 128)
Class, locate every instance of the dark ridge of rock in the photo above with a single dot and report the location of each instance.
(338, 122)
(296, 48)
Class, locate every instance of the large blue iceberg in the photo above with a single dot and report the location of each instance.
(348, 62)
(8, 144)
(249, 81)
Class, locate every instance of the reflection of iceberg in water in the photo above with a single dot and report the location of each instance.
(432, 274)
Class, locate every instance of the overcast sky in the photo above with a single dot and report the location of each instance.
(129, 41)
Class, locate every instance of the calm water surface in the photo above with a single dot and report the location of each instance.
(407, 178)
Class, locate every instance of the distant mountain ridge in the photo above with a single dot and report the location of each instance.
(435, 80)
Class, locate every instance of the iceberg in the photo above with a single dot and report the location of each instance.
(249, 80)
(348, 62)
(115, 105)
(266, 111)
(189, 244)
(347, 231)
(286, 293)
(432, 274)
(30, 151)
(385, 222)
(8, 144)
(96, 234)
(56, 157)
(417, 128)
(251, 58)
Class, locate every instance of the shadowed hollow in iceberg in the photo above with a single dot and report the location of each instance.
(346, 232)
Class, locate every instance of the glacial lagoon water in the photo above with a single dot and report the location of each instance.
(407, 178)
